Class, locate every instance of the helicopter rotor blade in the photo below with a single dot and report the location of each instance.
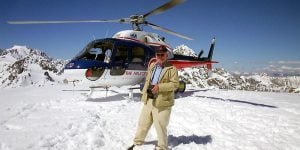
(60, 22)
(168, 31)
(164, 7)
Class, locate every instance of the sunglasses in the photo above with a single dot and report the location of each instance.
(160, 55)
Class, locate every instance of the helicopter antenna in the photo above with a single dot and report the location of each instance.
(106, 33)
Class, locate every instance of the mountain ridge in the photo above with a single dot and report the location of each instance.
(220, 78)
(22, 66)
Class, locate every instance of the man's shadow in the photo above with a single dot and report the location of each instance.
(175, 141)
(189, 93)
(238, 101)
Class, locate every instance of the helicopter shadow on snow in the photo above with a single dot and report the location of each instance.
(137, 96)
(177, 140)
(117, 97)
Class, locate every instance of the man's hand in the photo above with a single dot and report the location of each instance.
(155, 89)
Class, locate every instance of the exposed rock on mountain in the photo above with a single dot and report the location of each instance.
(220, 78)
(22, 66)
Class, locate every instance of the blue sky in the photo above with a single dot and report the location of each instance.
(251, 35)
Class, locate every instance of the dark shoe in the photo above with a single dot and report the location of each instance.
(131, 147)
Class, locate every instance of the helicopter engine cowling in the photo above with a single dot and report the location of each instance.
(94, 74)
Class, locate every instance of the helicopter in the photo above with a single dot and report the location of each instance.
(124, 58)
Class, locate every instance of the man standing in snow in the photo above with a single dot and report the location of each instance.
(158, 97)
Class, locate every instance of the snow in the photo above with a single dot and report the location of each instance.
(18, 52)
(37, 113)
(62, 117)
(184, 50)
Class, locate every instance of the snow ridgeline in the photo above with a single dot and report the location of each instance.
(222, 79)
(22, 66)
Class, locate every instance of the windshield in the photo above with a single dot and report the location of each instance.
(97, 50)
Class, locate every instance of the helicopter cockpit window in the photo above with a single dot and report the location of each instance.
(97, 50)
(138, 55)
(119, 61)
(137, 58)
(121, 55)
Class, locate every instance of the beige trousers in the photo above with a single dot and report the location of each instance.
(160, 116)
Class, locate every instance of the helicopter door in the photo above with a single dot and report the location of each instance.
(119, 60)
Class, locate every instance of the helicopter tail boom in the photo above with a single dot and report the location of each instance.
(180, 61)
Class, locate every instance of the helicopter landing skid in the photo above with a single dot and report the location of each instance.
(92, 89)
(130, 96)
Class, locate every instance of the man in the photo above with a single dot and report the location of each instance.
(158, 97)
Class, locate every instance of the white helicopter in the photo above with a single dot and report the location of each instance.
(124, 58)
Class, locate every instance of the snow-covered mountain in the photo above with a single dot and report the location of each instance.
(257, 82)
(184, 50)
(222, 79)
(22, 66)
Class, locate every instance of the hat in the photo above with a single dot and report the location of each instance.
(161, 49)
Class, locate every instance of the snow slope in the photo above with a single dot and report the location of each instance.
(55, 118)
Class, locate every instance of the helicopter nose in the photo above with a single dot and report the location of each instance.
(93, 69)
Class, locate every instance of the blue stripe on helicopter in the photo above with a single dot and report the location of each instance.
(86, 64)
